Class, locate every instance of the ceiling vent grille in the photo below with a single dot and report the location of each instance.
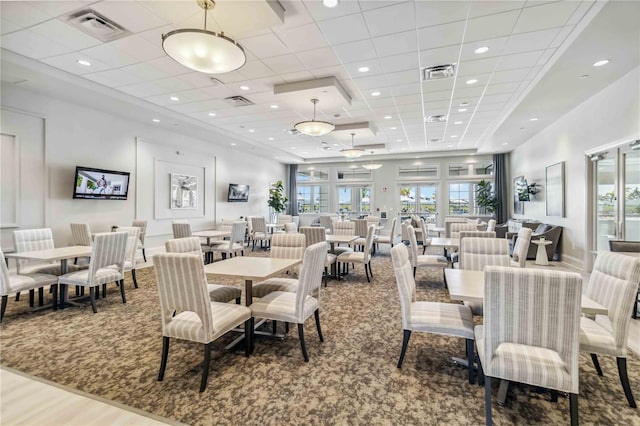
(436, 119)
(96, 25)
(435, 140)
(439, 72)
(238, 101)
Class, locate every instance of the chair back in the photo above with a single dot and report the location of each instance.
(80, 234)
(326, 222)
(424, 232)
(109, 248)
(368, 245)
(182, 287)
(614, 284)
(491, 225)
(132, 242)
(142, 224)
(290, 228)
(456, 227)
(403, 271)
(361, 227)
(372, 220)
(258, 225)
(533, 307)
(238, 230)
(284, 218)
(181, 229)
(413, 244)
(190, 245)
(32, 240)
(344, 228)
(394, 222)
(5, 283)
(628, 246)
(310, 276)
(521, 247)
(313, 235)
(288, 246)
(477, 234)
(476, 253)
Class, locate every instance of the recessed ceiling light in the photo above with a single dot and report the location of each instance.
(601, 63)
(387, 117)
(335, 144)
(375, 93)
(270, 139)
(251, 130)
(457, 122)
(481, 50)
(506, 143)
(174, 98)
(393, 128)
(472, 81)
(533, 119)
(464, 103)
(212, 114)
(454, 136)
(155, 120)
(244, 87)
(233, 144)
(363, 69)
(462, 110)
(330, 3)
(84, 63)
(398, 140)
(274, 107)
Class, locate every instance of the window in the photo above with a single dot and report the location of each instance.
(313, 198)
(482, 168)
(418, 171)
(354, 198)
(312, 175)
(461, 197)
(353, 173)
(419, 198)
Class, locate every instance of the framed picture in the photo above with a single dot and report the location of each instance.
(518, 206)
(184, 191)
(554, 180)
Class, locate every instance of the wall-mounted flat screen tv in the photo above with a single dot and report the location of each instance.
(522, 189)
(238, 193)
(99, 184)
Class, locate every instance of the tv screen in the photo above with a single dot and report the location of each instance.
(99, 184)
(522, 189)
(238, 193)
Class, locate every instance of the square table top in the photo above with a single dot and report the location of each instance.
(211, 233)
(250, 268)
(445, 242)
(58, 253)
(331, 238)
(468, 286)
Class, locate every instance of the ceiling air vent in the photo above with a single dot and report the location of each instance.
(435, 140)
(96, 25)
(436, 119)
(439, 72)
(238, 101)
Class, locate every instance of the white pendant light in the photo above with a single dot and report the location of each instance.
(352, 152)
(371, 165)
(204, 51)
(313, 127)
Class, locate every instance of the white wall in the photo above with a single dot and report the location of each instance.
(80, 135)
(612, 115)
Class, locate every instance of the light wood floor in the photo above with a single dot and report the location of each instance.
(28, 400)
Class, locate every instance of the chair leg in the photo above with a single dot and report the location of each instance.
(124, 299)
(405, 342)
(554, 395)
(92, 296)
(248, 337)
(470, 357)
(205, 366)
(414, 271)
(135, 281)
(165, 356)
(237, 300)
(40, 296)
(302, 345)
(31, 298)
(487, 401)
(624, 379)
(573, 407)
(366, 271)
(317, 316)
(596, 364)
(54, 289)
(634, 313)
(17, 296)
(104, 290)
(480, 373)
(144, 256)
(274, 330)
(370, 270)
(3, 307)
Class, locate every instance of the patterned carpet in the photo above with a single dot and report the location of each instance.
(351, 378)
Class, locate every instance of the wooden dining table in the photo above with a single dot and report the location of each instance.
(211, 233)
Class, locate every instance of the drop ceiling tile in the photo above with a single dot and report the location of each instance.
(255, 69)
(143, 90)
(546, 56)
(401, 62)
(217, 106)
(159, 68)
(479, 66)
(173, 11)
(562, 36)
(527, 42)
(495, 45)
(380, 102)
(545, 16)
(112, 54)
(21, 14)
(7, 27)
(440, 35)
(69, 63)
(233, 77)
(296, 76)
(65, 35)
(32, 45)
(520, 60)
(437, 85)
(321, 13)
(395, 44)
(373, 82)
(510, 76)
(301, 38)
(404, 77)
(396, 18)
(439, 56)
(163, 100)
(296, 13)
(265, 46)
(431, 13)
(490, 7)
(206, 93)
(114, 78)
(284, 64)
(138, 48)
(134, 17)
(56, 8)
(154, 35)
(344, 29)
(339, 72)
(491, 26)
(362, 50)
(323, 57)
(197, 80)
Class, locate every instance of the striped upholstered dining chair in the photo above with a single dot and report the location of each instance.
(421, 260)
(447, 319)
(363, 257)
(465, 234)
(521, 246)
(631, 247)
(217, 292)
(283, 246)
(536, 344)
(183, 230)
(314, 235)
(142, 224)
(188, 313)
(130, 257)
(296, 307)
(613, 284)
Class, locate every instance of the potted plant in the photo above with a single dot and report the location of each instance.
(485, 197)
(277, 199)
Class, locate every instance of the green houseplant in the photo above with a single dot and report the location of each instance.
(485, 197)
(277, 199)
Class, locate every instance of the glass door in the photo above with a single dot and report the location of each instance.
(630, 224)
(606, 201)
